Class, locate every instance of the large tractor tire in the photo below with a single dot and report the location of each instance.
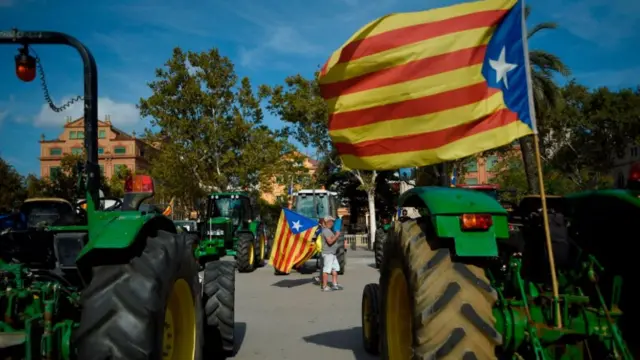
(246, 256)
(378, 246)
(149, 308)
(219, 284)
(431, 305)
(370, 315)
(261, 247)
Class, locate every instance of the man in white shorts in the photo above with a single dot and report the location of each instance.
(329, 258)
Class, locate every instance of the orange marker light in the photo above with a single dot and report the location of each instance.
(139, 184)
(470, 222)
(25, 66)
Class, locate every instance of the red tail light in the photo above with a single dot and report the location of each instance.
(475, 222)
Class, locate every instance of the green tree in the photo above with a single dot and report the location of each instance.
(35, 186)
(544, 66)
(12, 185)
(116, 183)
(211, 136)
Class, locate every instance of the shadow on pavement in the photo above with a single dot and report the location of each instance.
(347, 339)
(239, 332)
(289, 283)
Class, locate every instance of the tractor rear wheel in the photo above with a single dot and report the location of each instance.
(219, 286)
(431, 305)
(370, 317)
(378, 246)
(149, 308)
(246, 256)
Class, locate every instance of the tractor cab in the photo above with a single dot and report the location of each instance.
(316, 204)
(43, 212)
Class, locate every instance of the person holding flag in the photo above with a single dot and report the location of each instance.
(329, 259)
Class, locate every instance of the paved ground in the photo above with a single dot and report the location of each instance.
(288, 317)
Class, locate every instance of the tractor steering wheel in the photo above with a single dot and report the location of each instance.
(117, 205)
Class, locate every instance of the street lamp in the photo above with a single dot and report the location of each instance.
(26, 71)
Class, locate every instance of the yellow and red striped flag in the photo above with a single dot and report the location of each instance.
(414, 89)
(292, 241)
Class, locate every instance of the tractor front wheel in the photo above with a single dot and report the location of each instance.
(149, 308)
(370, 317)
(246, 256)
(219, 286)
(261, 246)
(431, 305)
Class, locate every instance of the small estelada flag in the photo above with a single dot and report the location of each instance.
(291, 243)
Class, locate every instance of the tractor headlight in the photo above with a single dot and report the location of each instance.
(215, 232)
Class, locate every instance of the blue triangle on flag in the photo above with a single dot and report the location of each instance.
(298, 223)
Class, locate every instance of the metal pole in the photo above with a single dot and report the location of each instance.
(92, 168)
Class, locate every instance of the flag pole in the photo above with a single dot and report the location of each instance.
(547, 232)
(543, 196)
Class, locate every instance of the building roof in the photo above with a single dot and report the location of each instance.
(79, 123)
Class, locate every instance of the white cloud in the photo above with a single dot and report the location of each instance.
(281, 39)
(123, 115)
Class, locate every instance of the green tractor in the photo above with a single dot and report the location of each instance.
(107, 284)
(233, 228)
(455, 285)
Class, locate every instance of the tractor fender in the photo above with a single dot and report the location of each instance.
(115, 237)
(444, 206)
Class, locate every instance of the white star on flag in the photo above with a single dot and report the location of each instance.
(296, 225)
(502, 67)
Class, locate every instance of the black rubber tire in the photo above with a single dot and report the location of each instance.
(262, 236)
(451, 302)
(342, 261)
(371, 294)
(378, 246)
(246, 242)
(123, 307)
(219, 288)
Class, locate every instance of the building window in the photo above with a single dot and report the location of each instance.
(472, 165)
(120, 150)
(491, 162)
(55, 151)
(102, 134)
(76, 151)
(80, 135)
(471, 181)
(100, 150)
(117, 168)
(54, 171)
(73, 135)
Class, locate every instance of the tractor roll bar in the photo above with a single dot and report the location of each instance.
(92, 168)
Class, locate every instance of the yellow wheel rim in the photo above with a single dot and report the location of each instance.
(366, 317)
(399, 333)
(179, 338)
(251, 254)
(262, 241)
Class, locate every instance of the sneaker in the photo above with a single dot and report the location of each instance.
(316, 280)
(337, 287)
(327, 288)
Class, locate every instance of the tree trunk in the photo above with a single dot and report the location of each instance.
(371, 197)
(529, 160)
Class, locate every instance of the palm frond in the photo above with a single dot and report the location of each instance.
(540, 27)
(548, 62)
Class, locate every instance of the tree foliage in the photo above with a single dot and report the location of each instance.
(209, 128)
(12, 185)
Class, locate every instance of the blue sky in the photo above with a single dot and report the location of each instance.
(266, 39)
